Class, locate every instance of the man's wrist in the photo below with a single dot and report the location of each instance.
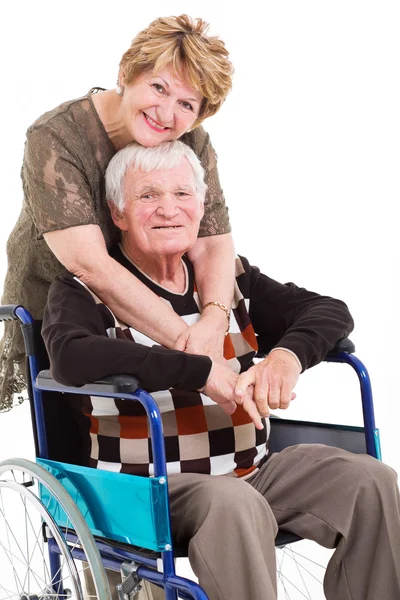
(287, 351)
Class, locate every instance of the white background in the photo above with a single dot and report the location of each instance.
(308, 145)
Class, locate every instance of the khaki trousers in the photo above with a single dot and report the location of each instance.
(338, 499)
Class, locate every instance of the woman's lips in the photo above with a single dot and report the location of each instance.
(154, 125)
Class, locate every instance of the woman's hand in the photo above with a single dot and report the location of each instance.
(272, 380)
(206, 336)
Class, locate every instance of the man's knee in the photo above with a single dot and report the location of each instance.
(369, 475)
(222, 501)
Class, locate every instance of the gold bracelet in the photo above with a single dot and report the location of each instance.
(222, 307)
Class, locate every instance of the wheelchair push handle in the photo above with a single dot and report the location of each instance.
(8, 312)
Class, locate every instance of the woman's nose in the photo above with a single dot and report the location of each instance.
(165, 111)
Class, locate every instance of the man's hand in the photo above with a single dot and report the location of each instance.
(206, 336)
(272, 379)
(220, 387)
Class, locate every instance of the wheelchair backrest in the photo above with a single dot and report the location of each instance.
(67, 428)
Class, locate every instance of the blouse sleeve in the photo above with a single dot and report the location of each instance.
(216, 218)
(56, 187)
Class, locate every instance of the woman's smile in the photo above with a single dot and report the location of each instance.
(154, 125)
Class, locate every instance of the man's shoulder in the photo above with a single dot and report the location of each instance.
(242, 265)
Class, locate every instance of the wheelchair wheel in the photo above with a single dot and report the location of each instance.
(39, 560)
(301, 568)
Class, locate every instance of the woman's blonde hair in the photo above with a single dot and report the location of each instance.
(197, 58)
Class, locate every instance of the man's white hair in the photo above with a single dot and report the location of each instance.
(165, 156)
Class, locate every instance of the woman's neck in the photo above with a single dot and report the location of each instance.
(107, 105)
(167, 271)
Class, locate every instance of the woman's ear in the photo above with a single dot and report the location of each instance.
(121, 77)
(118, 217)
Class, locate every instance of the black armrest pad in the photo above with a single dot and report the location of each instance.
(343, 345)
(114, 384)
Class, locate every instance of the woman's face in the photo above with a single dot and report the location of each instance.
(159, 108)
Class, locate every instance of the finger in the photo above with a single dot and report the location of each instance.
(229, 407)
(182, 341)
(243, 382)
(274, 393)
(293, 396)
(261, 392)
(286, 396)
(251, 408)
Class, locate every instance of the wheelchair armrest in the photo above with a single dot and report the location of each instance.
(343, 345)
(114, 384)
(7, 312)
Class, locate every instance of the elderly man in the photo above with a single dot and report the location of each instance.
(228, 496)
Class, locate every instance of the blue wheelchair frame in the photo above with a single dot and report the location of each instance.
(113, 516)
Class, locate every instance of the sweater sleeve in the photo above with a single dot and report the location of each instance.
(287, 316)
(74, 331)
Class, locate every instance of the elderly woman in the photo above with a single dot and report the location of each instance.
(227, 494)
(171, 78)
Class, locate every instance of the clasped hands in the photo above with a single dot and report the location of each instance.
(267, 385)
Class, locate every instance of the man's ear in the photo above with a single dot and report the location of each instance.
(118, 217)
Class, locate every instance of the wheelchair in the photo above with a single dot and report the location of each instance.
(61, 520)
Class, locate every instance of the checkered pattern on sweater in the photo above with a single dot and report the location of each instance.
(199, 436)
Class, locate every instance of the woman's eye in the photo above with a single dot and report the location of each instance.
(186, 105)
(158, 87)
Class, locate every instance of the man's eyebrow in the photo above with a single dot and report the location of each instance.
(146, 188)
(186, 187)
(167, 85)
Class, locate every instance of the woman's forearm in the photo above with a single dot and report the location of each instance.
(135, 304)
(83, 252)
(214, 266)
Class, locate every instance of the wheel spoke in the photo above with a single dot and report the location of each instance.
(10, 593)
(302, 566)
(2, 512)
(305, 558)
(293, 585)
(24, 554)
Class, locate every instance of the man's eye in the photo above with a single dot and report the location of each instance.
(147, 197)
(182, 194)
(158, 87)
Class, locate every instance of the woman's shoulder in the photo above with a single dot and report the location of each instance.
(198, 140)
(71, 111)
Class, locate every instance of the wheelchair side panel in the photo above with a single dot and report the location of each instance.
(117, 506)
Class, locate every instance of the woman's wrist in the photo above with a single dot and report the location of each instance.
(218, 313)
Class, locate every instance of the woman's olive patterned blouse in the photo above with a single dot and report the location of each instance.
(66, 154)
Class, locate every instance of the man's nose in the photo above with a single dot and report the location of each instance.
(168, 206)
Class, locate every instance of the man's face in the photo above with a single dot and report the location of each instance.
(162, 211)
